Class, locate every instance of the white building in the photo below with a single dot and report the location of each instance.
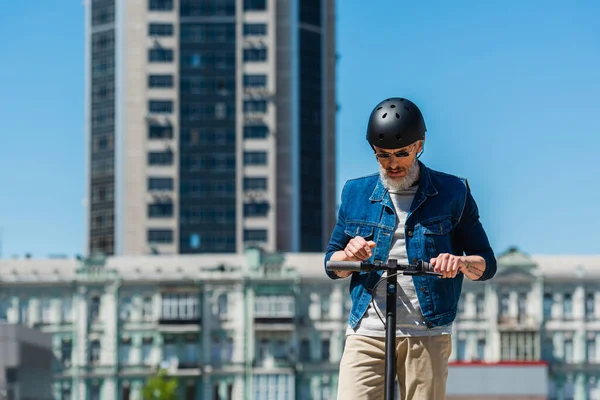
(262, 326)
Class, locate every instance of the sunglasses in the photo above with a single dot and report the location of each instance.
(398, 154)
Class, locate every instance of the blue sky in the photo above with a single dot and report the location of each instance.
(510, 92)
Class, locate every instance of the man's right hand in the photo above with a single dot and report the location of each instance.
(357, 249)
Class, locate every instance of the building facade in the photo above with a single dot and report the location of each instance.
(210, 125)
(264, 325)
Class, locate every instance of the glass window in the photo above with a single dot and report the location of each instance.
(160, 29)
(160, 210)
(160, 183)
(160, 81)
(160, 132)
(255, 235)
(255, 55)
(255, 29)
(160, 5)
(568, 305)
(160, 106)
(255, 81)
(160, 158)
(256, 131)
(160, 55)
(255, 5)
(164, 236)
(255, 158)
(255, 183)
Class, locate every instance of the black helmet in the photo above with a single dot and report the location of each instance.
(395, 123)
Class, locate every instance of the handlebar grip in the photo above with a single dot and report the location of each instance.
(427, 267)
(348, 266)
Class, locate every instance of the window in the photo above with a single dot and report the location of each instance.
(255, 184)
(94, 392)
(160, 81)
(255, 235)
(126, 394)
(191, 351)
(255, 55)
(255, 158)
(23, 311)
(518, 346)
(180, 306)
(591, 350)
(325, 347)
(258, 209)
(568, 350)
(95, 308)
(222, 305)
(255, 81)
(255, 29)
(160, 183)
(255, 5)
(160, 55)
(124, 351)
(257, 106)
(160, 5)
(522, 302)
(164, 236)
(255, 131)
(147, 351)
(481, 349)
(480, 305)
(548, 303)
(220, 111)
(160, 132)
(305, 350)
(46, 311)
(160, 158)
(66, 349)
(272, 386)
(160, 106)
(147, 307)
(125, 311)
(589, 305)
(190, 392)
(160, 210)
(274, 306)
(504, 304)
(95, 351)
(461, 353)
(567, 306)
(160, 29)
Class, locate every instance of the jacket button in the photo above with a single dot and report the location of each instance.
(410, 233)
(422, 289)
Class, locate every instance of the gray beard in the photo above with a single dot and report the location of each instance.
(400, 184)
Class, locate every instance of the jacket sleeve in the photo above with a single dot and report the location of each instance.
(338, 239)
(472, 237)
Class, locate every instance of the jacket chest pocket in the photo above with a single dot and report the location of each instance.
(353, 230)
(437, 236)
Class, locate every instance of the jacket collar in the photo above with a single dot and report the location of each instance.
(425, 185)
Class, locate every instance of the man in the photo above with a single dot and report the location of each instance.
(406, 212)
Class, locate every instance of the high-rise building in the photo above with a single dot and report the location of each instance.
(210, 124)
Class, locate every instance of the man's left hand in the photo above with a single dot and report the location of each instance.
(449, 265)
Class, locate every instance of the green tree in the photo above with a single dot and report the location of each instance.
(160, 387)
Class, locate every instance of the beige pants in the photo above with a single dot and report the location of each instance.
(421, 367)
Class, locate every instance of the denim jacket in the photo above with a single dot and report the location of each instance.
(443, 218)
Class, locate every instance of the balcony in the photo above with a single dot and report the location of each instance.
(177, 320)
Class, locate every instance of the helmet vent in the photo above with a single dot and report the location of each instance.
(387, 100)
(393, 106)
(397, 115)
(398, 136)
(384, 115)
(407, 108)
(401, 99)
(379, 108)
